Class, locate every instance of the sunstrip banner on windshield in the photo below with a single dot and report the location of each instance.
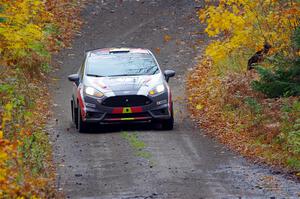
(127, 110)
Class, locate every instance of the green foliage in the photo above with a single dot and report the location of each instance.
(294, 162)
(39, 49)
(296, 38)
(2, 19)
(45, 67)
(6, 89)
(283, 80)
(35, 149)
(51, 29)
(291, 127)
(254, 106)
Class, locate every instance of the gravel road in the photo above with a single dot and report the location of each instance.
(183, 163)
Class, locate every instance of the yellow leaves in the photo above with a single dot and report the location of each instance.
(199, 107)
(216, 50)
(3, 156)
(248, 24)
(23, 24)
(7, 116)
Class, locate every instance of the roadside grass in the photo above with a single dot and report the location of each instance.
(137, 144)
(235, 63)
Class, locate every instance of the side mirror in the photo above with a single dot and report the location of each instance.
(168, 74)
(74, 78)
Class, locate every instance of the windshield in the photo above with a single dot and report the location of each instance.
(121, 64)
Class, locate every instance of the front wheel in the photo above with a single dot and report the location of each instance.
(168, 124)
(74, 114)
(82, 126)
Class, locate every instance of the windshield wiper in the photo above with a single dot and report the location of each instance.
(155, 71)
(94, 75)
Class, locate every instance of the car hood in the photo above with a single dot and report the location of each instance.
(125, 85)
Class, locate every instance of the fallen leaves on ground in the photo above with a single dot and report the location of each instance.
(247, 122)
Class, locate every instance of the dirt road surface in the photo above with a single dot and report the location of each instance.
(182, 163)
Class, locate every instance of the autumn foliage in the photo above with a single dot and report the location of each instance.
(232, 103)
(30, 31)
(243, 26)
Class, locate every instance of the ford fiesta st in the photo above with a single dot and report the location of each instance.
(117, 85)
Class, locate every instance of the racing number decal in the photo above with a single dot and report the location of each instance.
(127, 110)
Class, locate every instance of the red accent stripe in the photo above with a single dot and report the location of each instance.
(81, 104)
(117, 110)
(170, 100)
(137, 109)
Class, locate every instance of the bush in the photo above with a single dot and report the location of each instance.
(283, 79)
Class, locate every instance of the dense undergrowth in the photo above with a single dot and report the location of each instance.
(30, 32)
(255, 112)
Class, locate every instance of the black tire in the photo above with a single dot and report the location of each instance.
(74, 114)
(168, 124)
(82, 126)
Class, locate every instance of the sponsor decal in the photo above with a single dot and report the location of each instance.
(127, 110)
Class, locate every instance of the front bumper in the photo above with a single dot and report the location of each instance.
(158, 109)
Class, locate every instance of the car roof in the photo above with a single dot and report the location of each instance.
(106, 51)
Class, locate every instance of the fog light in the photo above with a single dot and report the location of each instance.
(162, 102)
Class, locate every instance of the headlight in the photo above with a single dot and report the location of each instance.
(158, 89)
(93, 92)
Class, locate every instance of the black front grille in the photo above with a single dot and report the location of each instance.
(126, 101)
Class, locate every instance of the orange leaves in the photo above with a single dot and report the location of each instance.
(157, 50)
(167, 38)
(65, 17)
